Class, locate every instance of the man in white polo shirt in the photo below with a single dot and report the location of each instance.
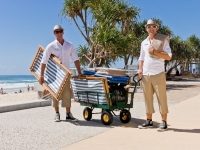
(151, 69)
(63, 50)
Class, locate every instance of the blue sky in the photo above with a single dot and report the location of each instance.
(26, 24)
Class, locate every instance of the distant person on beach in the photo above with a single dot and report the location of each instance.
(1, 91)
(63, 50)
(20, 91)
(28, 88)
(151, 69)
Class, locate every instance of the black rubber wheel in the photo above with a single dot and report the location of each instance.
(125, 116)
(87, 113)
(106, 117)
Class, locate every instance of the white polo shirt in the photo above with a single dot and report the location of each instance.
(62, 52)
(151, 65)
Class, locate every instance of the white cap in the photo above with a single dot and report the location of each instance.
(57, 27)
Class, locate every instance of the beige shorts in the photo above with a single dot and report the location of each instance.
(157, 84)
(66, 97)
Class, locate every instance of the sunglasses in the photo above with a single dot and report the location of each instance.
(58, 31)
(151, 27)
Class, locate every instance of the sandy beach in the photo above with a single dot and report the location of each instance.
(16, 97)
(177, 91)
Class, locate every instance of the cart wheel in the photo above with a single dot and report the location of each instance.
(106, 117)
(125, 116)
(87, 113)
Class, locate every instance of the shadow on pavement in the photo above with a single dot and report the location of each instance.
(184, 130)
(92, 123)
(179, 87)
(116, 123)
(132, 124)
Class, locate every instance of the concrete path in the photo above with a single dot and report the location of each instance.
(34, 129)
(183, 132)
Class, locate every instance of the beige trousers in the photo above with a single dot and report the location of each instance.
(157, 84)
(66, 97)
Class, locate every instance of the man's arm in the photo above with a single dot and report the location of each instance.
(77, 64)
(41, 79)
(162, 55)
(141, 62)
(165, 54)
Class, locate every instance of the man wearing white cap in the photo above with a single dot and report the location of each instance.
(63, 50)
(151, 69)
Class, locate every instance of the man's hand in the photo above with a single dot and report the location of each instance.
(41, 80)
(139, 72)
(80, 75)
(151, 50)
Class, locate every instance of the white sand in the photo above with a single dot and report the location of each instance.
(12, 97)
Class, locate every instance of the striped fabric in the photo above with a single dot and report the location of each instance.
(94, 88)
(47, 97)
(53, 75)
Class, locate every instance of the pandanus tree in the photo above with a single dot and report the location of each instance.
(111, 31)
(180, 53)
(184, 52)
(194, 44)
(109, 35)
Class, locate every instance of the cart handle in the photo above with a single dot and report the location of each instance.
(135, 80)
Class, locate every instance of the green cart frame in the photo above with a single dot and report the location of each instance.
(113, 104)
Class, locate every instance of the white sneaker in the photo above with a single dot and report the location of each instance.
(57, 117)
(147, 124)
(69, 116)
(162, 127)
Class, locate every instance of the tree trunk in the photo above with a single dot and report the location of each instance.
(132, 58)
(169, 72)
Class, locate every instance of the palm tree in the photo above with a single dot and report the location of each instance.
(74, 9)
(194, 43)
(181, 53)
(109, 35)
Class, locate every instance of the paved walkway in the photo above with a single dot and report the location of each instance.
(34, 128)
(183, 132)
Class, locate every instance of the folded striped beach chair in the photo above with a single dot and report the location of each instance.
(56, 75)
(47, 96)
(90, 90)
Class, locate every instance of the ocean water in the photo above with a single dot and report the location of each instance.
(13, 83)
